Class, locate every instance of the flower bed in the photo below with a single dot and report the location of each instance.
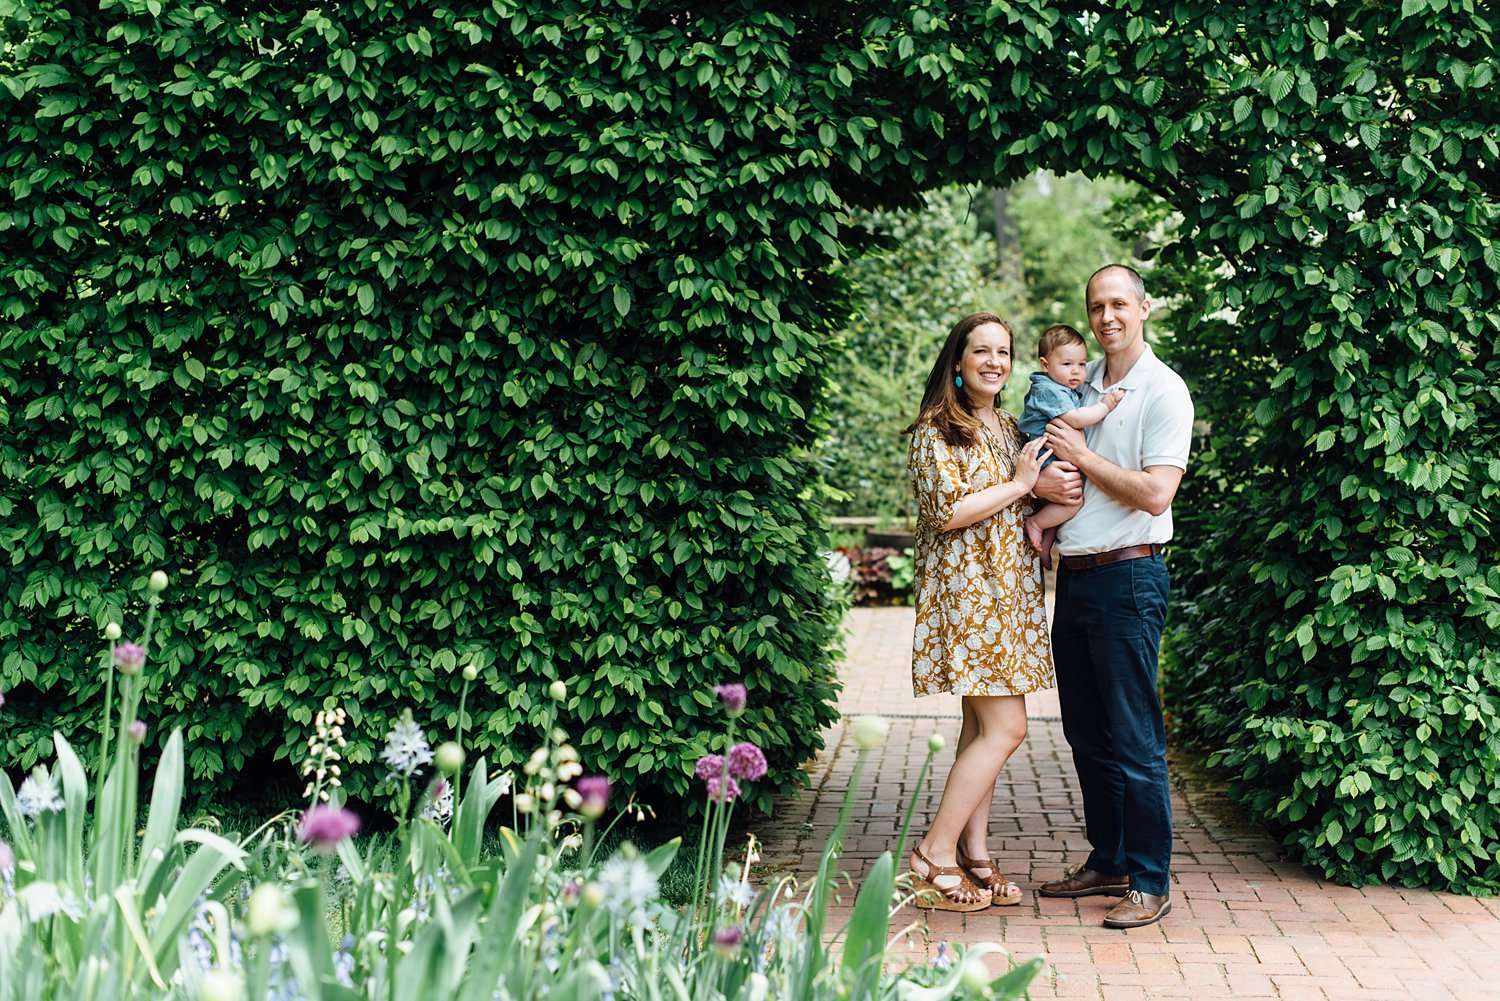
(92, 906)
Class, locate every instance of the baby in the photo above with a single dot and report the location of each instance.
(1054, 396)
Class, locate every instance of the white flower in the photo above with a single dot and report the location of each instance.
(38, 795)
(629, 888)
(870, 732)
(839, 567)
(975, 975)
(783, 923)
(221, 985)
(735, 891)
(406, 749)
(440, 810)
(42, 900)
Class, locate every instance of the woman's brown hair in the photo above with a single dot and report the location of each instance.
(942, 404)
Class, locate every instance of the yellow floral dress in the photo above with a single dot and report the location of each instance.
(981, 621)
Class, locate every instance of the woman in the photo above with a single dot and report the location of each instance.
(981, 624)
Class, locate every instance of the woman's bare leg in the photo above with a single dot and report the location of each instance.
(993, 727)
(973, 843)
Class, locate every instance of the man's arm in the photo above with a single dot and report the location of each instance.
(1150, 489)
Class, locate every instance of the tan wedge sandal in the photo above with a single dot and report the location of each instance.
(966, 896)
(995, 882)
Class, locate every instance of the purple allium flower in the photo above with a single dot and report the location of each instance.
(7, 859)
(723, 790)
(746, 762)
(727, 940)
(136, 731)
(733, 698)
(129, 657)
(325, 826)
(594, 791)
(709, 766)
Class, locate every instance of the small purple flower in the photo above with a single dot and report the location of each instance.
(129, 657)
(136, 731)
(2, 700)
(709, 765)
(746, 762)
(727, 940)
(733, 698)
(723, 790)
(594, 791)
(7, 859)
(324, 826)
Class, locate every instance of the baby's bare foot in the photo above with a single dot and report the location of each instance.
(1034, 536)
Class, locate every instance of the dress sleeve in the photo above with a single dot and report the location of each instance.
(938, 474)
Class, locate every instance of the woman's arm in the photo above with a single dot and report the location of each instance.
(983, 503)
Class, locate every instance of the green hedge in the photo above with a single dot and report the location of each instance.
(1337, 643)
(497, 333)
(409, 340)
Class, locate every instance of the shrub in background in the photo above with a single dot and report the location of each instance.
(413, 339)
(1335, 607)
(925, 269)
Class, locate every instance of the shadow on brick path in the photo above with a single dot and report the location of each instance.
(1245, 922)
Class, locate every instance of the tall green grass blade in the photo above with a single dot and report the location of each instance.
(196, 878)
(869, 924)
(502, 921)
(166, 798)
(75, 786)
(130, 914)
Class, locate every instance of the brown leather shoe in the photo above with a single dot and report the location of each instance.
(1081, 882)
(1138, 909)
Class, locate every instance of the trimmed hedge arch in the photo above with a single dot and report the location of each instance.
(493, 334)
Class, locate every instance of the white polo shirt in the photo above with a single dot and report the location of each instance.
(1152, 426)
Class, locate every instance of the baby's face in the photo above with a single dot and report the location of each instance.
(1066, 365)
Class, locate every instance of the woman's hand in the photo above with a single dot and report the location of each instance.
(1029, 464)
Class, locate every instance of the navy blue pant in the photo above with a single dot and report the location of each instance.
(1105, 638)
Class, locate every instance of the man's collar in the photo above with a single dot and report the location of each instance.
(1132, 378)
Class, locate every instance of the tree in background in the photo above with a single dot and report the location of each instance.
(929, 267)
(1064, 235)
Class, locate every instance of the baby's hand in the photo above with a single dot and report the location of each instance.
(1113, 397)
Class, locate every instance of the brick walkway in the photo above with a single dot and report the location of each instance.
(1245, 922)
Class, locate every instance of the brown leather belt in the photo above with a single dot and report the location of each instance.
(1090, 560)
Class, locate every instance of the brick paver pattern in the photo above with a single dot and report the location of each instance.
(1246, 923)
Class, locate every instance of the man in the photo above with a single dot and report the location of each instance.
(1111, 604)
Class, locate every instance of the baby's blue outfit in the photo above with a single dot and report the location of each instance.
(1044, 401)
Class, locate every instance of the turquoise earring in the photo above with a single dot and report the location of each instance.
(958, 381)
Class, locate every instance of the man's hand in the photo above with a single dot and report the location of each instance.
(1059, 483)
(1066, 443)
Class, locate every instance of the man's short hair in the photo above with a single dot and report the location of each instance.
(1137, 284)
(1055, 337)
